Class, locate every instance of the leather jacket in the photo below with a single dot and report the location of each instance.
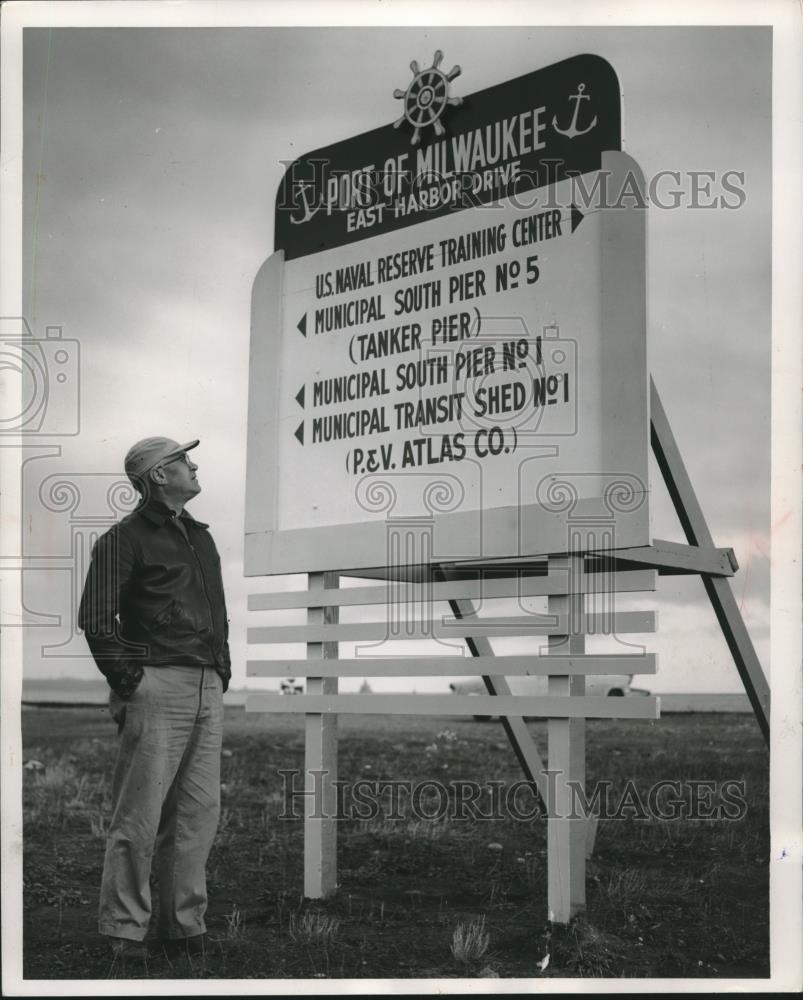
(154, 597)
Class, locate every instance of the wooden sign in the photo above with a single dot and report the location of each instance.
(452, 330)
(507, 140)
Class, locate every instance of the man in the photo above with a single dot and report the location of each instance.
(154, 615)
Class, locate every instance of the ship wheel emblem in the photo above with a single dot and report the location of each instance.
(427, 97)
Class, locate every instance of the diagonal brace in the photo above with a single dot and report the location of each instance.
(515, 727)
(718, 589)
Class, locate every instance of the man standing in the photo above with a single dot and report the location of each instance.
(154, 615)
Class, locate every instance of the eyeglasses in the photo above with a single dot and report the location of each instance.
(183, 457)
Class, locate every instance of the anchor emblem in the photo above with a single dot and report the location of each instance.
(573, 130)
(309, 211)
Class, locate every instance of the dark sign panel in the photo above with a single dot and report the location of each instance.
(442, 156)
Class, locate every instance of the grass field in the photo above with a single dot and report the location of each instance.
(417, 898)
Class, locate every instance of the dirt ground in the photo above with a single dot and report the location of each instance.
(417, 897)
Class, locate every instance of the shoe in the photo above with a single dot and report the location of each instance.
(123, 948)
(192, 946)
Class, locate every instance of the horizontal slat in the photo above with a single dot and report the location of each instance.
(455, 666)
(488, 589)
(577, 707)
(623, 622)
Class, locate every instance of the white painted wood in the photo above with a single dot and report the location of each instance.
(597, 624)
(567, 836)
(263, 382)
(474, 590)
(457, 666)
(354, 547)
(596, 706)
(623, 306)
(595, 283)
(320, 762)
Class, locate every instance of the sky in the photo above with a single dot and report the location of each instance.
(151, 161)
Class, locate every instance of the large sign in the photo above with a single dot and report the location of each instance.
(451, 335)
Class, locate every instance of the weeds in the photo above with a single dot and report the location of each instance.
(314, 928)
(628, 886)
(235, 924)
(470, 941)
(665, 898)
(55, 795)
(226, 828)
(584, 950)
(97, 825)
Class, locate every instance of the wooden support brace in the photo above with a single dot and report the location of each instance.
(515, 727)
(719, 592)
(672, 557)
(320, 763)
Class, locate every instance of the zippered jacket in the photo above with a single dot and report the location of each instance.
(154, 597)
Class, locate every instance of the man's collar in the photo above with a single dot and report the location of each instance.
(159, 513)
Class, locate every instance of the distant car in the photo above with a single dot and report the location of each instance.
(610, 685)
(291, 686)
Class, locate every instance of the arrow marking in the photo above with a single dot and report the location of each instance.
(300, 432)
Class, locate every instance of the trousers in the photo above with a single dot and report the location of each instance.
(165, 803)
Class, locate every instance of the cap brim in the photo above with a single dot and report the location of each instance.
(180, 450)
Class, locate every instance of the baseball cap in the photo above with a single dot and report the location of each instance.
(148, 453)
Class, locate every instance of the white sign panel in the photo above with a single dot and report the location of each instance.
(481, 375)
